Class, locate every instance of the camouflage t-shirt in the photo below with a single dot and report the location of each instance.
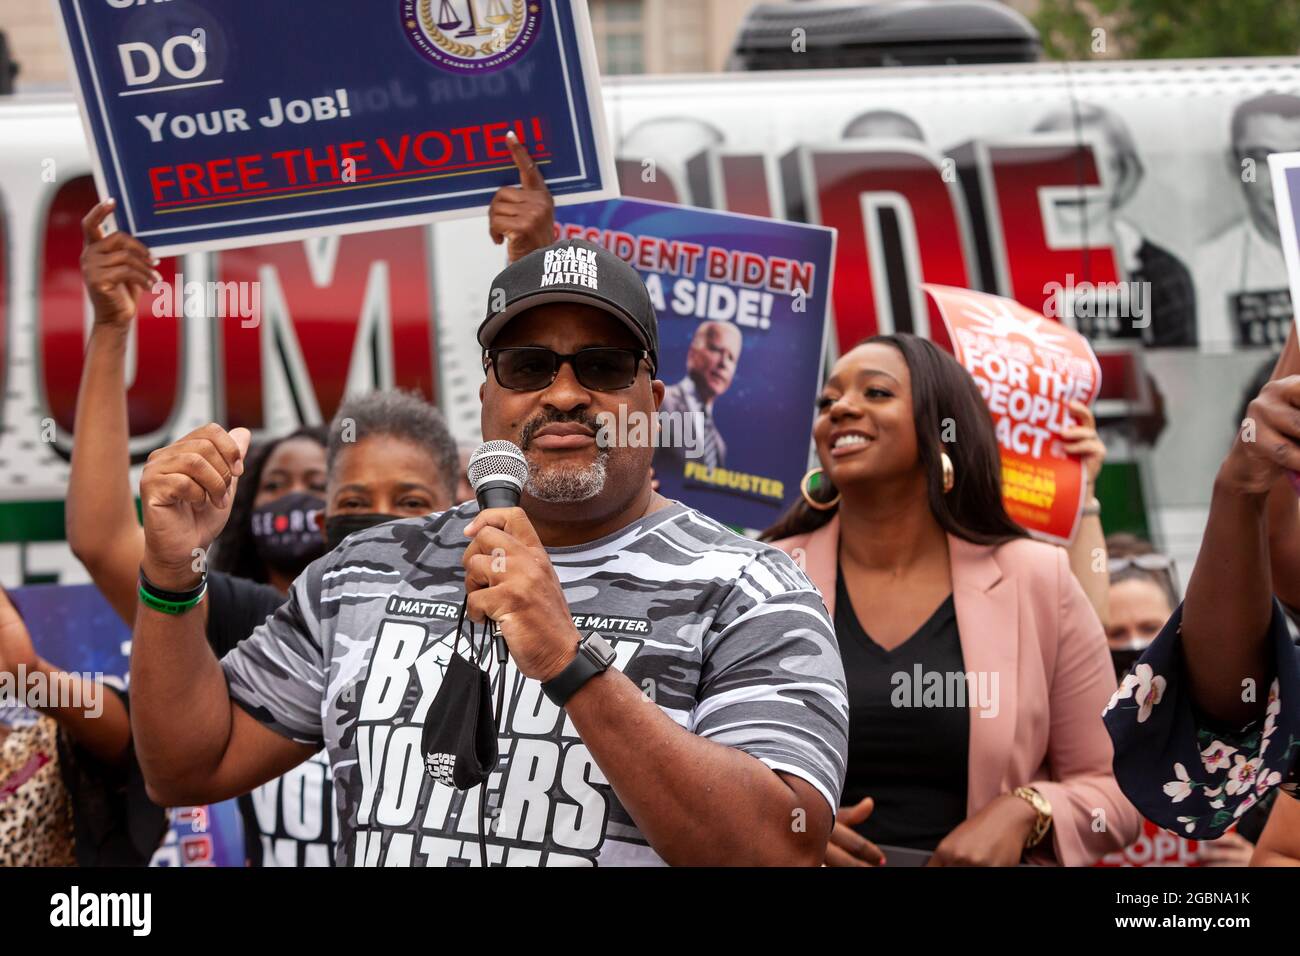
(725, 634)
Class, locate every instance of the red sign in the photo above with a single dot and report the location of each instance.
(1028, 368)
(1155, 847)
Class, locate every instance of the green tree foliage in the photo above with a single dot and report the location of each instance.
(1181, 29)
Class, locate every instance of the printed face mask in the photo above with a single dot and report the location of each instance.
(285, 532)
(338, 527)
(460, 735)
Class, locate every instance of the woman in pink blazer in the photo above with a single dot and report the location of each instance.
(977, 670)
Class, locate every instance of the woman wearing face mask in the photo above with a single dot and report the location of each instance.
(1142, 596)
(976, 667)
(274, 530)
(387, 455)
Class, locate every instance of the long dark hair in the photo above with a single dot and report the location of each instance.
(942, 393)
(234, 551)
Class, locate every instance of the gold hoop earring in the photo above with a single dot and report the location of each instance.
(949, 474)
(807, 493)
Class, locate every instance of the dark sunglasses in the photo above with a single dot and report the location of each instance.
(531, 369)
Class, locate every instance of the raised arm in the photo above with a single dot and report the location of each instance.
(1088, 549)
(101, 525)
(193, 743)
(523, 216)
(91, 713)
(1228, 606)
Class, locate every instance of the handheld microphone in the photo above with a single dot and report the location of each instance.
(497, 472)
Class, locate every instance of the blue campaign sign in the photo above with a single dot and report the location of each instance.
(742, 303)
(219, 123)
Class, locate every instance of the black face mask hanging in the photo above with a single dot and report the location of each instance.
(460, 734)
(459, 740)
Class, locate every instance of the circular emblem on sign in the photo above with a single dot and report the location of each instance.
(471, 36)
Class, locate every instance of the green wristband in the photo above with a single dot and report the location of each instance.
(170, 602)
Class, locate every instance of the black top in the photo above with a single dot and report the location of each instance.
(236, 607)
(909, 727)
(114, 821)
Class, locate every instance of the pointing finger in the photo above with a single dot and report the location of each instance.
(92, 226)
(530, 177)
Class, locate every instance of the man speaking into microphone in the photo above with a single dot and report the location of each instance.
(672, 691)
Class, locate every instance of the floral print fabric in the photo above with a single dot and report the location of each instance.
(1184, 771)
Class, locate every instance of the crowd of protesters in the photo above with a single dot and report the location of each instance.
(903, 560)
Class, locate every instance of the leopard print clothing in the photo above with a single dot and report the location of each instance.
(35, 810)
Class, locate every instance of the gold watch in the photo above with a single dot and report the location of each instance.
(1044, 811)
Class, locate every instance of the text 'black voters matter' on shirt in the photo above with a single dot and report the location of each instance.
(725, 634)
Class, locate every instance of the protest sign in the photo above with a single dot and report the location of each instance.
(76, 629)
(742, 306)
(1155, 847)
(219, 123)
(1284, 168)
(1028, 368)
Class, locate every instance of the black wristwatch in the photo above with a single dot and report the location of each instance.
(594, 657)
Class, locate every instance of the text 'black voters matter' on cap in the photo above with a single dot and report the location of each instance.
(577, 271)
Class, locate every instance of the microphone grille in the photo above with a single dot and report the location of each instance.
(501, 460)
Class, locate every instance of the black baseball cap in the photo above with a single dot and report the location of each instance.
(574, 270)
